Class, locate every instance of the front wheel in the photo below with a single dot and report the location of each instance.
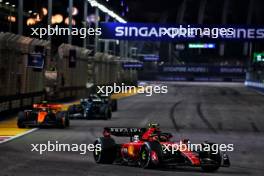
(107, 154)
(67, 120)
(150, 155)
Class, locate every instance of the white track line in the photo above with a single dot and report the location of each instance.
(257, 91)
(17, 136)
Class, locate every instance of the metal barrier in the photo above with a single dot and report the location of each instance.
(15, 77)
(108, 70)
(21, 85)
(17, 102)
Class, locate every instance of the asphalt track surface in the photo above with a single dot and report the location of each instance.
(222, 113)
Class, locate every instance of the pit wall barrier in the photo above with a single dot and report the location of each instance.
(75, 76)
(196, 73)
(14, 103)
(15, 77)
(259, 86)
(108, 70)
(21, 86)
(255, 78)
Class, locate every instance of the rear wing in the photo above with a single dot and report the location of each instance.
(124, 132)
(43, 105)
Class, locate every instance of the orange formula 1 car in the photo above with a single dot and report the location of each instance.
(44, 114)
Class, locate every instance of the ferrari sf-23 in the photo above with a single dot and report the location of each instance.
(147, 149)
(44, 114)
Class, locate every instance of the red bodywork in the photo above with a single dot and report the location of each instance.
(130, 151)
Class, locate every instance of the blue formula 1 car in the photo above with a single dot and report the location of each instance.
(93, 107)
(112, 102)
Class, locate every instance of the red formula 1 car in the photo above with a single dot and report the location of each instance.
(44, 114)
(150, 148)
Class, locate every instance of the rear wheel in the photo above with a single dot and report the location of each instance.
(107, 155)
(21, 119)
(114, 105)
(62, 120)
(107, 114)
(67, 120)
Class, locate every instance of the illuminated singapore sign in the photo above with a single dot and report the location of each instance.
(179, 32)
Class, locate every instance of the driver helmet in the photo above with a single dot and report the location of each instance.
(43, 109)
(135, 138)
(153, 125)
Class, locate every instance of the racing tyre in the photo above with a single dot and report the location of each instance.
(150, 155)
(67, 120)
(114, 105)
(62, 120)
(21, 119)
(107, 155)
(107, 114)
(210, 160)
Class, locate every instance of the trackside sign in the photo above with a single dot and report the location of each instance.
(179, 32)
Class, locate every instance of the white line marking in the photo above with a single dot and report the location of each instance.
(254, 85)
(17, 136)
(257, 91)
